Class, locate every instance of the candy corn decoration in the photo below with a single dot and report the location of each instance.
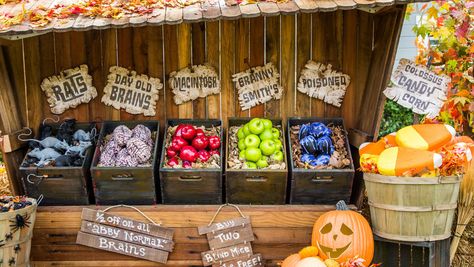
(369, 152)
(400, 161)
(425, 136)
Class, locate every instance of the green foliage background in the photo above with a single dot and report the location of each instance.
(394, 118)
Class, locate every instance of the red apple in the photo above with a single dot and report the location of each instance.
(177, 143)
(203, 155)
(200, 142)
(214, 152)
(171, 153)
(178, 130)
(187, 165)
(188, 153)
(214, 142)
(200, 132)
(173, 162)
(188, 132)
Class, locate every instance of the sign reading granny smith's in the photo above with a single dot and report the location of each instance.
(257, 85)
(135, 93)
(417, 88)
(69, 89)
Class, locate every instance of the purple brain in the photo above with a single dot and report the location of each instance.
(139, 150)
(121, 135)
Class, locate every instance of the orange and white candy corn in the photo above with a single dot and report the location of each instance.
(399, 161)
(425, 136)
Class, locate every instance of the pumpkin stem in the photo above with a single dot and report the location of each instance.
(341, 205)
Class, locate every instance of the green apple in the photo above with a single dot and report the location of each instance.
(266, 134)
(252, 140)
(242, 145)
(241, 134)
(262, 163)
(276, 133)
(253, 154)
(267, 147)
(256, 126)
(278, 156)
(242, 155)
(250, 165)
(278, 145)
(267, 123)
(246, 129)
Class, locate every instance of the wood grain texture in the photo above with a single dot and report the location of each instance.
(303, 54)
(213, 57)
(256, 55)
(272, 54)
(198, 58)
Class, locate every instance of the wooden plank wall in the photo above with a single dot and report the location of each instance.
(359, 43)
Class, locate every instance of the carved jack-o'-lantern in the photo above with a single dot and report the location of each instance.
(343, 234)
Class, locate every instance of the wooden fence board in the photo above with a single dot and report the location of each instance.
(272, 52)
(256, 55)
(304, 46)
(199, 57)
(213, 57)
(211, 10)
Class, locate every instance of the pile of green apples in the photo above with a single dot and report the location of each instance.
(259, 144)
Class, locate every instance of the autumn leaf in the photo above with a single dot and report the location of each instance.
(432, 12)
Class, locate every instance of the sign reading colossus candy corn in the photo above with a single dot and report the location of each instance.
(135, 93)
(320, 81)
(69, 89)
(417, 88)
(190, 83)
(258, 85)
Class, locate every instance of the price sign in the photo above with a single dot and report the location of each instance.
(418, 88)
(69, 89)
(125, 236)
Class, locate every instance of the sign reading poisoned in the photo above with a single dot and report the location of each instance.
(417, 88)
(320, 81)
(258, 85)
(69, 89)
(136, 94)
(125, 236)
(190, 83)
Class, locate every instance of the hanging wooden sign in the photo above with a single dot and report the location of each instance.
(137, 94)
(258, 85)
(125, 236)
(197, 81)
(69, 89)
(322, 82)
(226, 254)
(418, 88)
(254, 260)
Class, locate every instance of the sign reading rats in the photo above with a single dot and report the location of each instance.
(137, 94)
(197, 81)
(258, 85)
(417, 88)
(320, 81)
(69, 89)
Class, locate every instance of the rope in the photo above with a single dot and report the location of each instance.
(220, 208)
(134, 208)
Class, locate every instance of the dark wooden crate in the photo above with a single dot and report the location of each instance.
(319, 186)
(411, 254)
(191, 186)
(124, 185)
(255, 186)
(60, 185)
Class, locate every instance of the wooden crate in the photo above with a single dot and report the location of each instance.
(411, 254)
(60, 185)
(124, 185)
(319, 186)
(255, 186)
(191, 186)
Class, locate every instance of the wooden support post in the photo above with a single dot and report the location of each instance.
(10, 118)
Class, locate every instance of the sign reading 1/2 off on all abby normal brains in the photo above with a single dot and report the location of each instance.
(135, 93)
(417, 88)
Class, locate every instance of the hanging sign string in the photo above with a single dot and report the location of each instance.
(133, 208)
(222, 206)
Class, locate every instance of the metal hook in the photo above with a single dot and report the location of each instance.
(56, 119)
(41, 177)
(40, 199)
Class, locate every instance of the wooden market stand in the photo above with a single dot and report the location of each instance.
(358, 37)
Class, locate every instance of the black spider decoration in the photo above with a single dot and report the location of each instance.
(20, 222)
(17, 248)
(9, 236)
(12, 261)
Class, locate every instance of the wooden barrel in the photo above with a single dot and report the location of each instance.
(412, 208)
(16, 231)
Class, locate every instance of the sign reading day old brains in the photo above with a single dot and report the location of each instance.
(69, 89)
(197, 81)
(137, 94)
(417, 88)
(125, 236)
(320, 81)
(257, 85)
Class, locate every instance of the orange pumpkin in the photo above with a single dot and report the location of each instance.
(343, 234)
(291, 260)
(311, 262)
(309, 251)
